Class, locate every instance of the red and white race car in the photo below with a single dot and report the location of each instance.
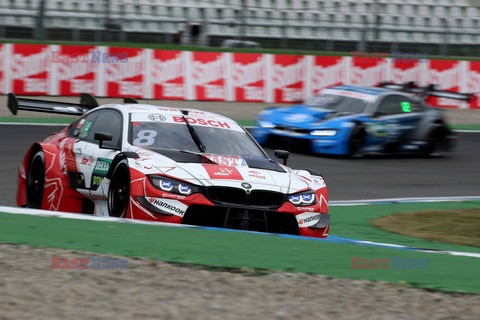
(165, 164)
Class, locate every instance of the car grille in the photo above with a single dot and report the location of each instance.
(237, 196)
(293, 130)
(289, 143)
(241, 219)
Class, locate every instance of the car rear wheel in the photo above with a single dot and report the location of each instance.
(357, 141)
(119, 191)
(438, 142)
(36, 180)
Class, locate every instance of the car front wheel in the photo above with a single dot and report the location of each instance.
(119, 191)
(357, 141)
(438, 142)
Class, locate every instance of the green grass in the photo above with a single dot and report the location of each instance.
(454, 226)
(234, 250)
(355, 222)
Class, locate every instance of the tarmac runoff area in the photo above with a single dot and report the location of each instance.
(234, 110)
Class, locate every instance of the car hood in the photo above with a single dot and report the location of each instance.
(229, 171)
(305, 116)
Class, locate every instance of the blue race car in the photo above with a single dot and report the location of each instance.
(353, 121)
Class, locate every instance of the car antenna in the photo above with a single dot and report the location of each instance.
(148, 91)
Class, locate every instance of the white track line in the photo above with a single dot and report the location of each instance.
(401, 200)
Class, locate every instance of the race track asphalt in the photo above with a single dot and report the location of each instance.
(347, 179)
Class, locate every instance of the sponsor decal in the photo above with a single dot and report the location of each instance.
(326, 72)
(256, 174)
(472, 81)
(126, 79)
(75, 72)
(385, 130)
(30, 69)
(307, 219)
(3, 68)
(447, 75)
(156, 117)
(397, 263)
(87, 161)
(202, 122)
(102, 166)
(100, 171)
(222, 172)
(96, 180)
(168, 206)
(303, 209)
(208, 74)
(173, 196)
(288, 77)
(367, 73)
(168, 72)
(223, 160)
(249, 76)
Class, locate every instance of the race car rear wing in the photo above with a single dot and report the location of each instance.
(87, 103)
(426, 91)
(129, 100)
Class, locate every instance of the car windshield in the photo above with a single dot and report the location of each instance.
(176, 136)
(338, 103)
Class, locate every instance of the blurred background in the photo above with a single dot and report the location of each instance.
(436, 27)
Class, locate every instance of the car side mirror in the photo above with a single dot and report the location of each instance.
(101, 137)
(282, 154)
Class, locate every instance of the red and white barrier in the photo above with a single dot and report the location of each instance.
(27, 69)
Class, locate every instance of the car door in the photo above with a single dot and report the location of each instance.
(94, 162)
(396, 118)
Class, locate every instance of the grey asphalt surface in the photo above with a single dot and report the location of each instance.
(347, 179)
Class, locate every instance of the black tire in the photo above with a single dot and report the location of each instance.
(439, 142)
(36, 180)
(119, 190)
(356, 141)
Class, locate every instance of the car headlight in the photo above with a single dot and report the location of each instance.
(266, 124)
(173, 186)
(324, 132)
(303, 199)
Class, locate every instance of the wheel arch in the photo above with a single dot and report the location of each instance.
(119, 157)
(23, 170)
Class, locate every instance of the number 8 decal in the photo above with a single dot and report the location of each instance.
(145, 138)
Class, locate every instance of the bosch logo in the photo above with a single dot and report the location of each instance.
(156, 117)
(246, 185)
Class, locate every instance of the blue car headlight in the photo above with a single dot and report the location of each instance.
(303, 199)
(324, 132)
(266, 124)
(173, 186)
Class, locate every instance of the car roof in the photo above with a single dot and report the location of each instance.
(149, 109)
(363, 89)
